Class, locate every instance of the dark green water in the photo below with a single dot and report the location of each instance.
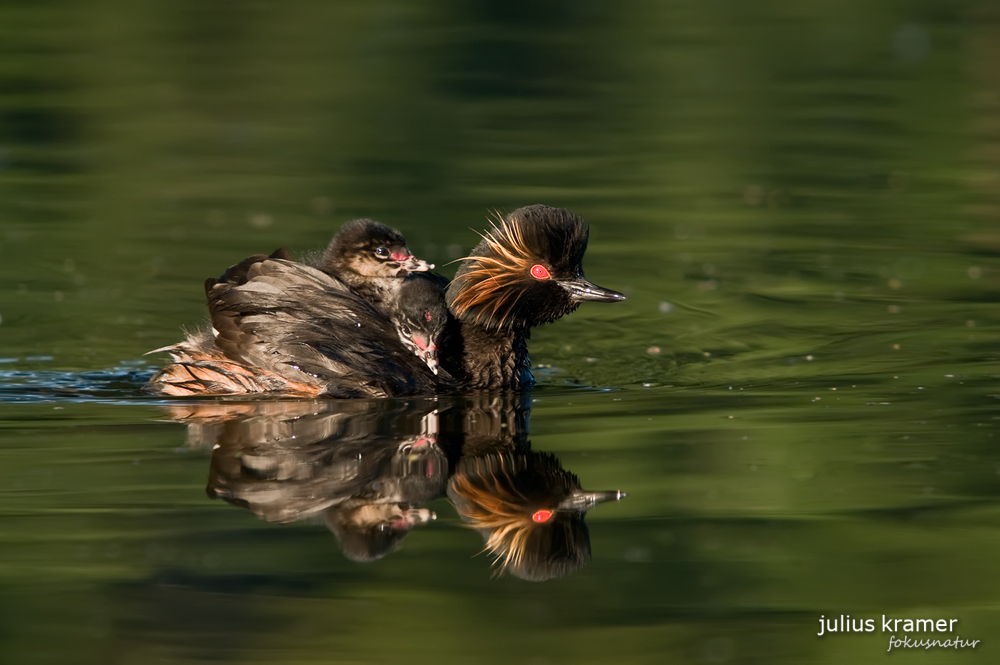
(800, 396)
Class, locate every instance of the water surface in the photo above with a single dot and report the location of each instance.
(799, 396)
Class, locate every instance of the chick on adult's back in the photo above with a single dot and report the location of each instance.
(284, 328)
(371, 259)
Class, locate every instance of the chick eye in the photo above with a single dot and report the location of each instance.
(382, 253)
(407, 331)
(538, 271)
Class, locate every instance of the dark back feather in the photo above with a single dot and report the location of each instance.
(309, 327)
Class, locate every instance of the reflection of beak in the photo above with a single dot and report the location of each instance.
(580, 500)
(411, 263)
(583, 291)
(411, 518)
(416, 516)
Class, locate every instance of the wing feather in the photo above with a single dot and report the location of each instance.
(308, 327)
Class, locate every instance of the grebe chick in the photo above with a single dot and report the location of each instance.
(527, 271)
(420, 316)
(375, 263)
(370, 258)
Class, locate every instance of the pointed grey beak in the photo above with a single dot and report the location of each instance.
(583, 291)
(580, 500)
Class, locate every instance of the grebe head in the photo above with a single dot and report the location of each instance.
(369, 249)
(528, 270)
(420, 316)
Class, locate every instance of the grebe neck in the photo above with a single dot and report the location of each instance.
(495, 358)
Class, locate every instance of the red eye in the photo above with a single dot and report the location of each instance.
(541, 516)
(427, 315)
(538, 271)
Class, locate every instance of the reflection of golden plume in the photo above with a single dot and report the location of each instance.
(496, 509)
(528, 510)
(504, 262)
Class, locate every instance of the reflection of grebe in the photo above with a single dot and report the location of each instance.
(368, 532)
(368, 470)
(529, 511)
(370, 525)
(281, 327)
(367, 486)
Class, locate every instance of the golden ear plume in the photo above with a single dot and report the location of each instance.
(491, 278)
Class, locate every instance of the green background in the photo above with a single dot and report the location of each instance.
(801, 201)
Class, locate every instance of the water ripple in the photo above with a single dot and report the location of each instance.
(118, 383)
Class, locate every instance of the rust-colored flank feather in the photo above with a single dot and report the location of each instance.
(493, 278)
(200, 371)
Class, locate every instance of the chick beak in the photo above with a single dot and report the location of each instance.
(410, 263)
(430, 356)
(583, 291)
(426, 350)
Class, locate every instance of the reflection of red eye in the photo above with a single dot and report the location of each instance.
(541, 516)
(427, 315)
(538, 271)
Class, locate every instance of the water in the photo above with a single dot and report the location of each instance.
(799, 396)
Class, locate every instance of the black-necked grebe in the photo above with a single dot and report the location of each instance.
(285, 328)
(528, 270)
